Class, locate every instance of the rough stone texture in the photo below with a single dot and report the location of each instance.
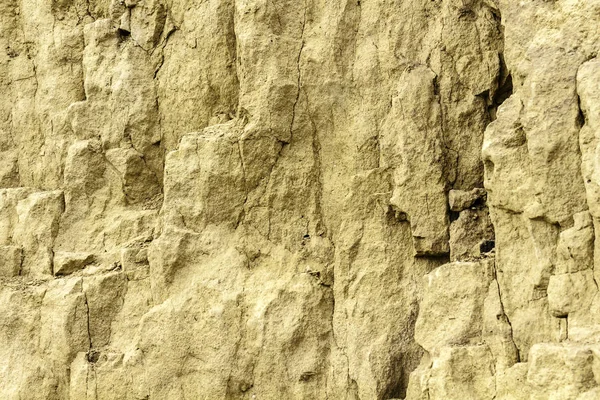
(460, 200)
(471, 235)
(11, 258)
(277, 199)
(66, 263)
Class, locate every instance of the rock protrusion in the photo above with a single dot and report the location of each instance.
(66, 263)
(460, 200)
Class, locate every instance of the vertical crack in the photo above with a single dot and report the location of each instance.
(87, 311)
(245, 183)
(505, 316)
(299, 83)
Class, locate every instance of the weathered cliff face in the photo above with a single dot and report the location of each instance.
(276, 199)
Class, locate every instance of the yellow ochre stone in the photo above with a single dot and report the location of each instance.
(283, 199)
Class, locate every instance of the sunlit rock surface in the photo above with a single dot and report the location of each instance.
(276, 199)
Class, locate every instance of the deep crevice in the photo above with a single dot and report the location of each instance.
(123, 33)
(504, 91)
(581, 120)
(506, 318)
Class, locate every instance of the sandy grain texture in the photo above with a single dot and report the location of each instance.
(299, 199)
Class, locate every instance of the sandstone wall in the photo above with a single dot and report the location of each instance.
(299, 199)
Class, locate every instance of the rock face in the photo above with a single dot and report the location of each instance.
(276, 199)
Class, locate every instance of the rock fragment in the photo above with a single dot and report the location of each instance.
(471, 235)
(460, 200)
(66, 263)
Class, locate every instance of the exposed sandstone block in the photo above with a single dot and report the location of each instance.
(562, 371)
(471, 235)
(463, 372)
(139, 182)
(36, 229)
(103, 294)
(9, 169)
(571, 292)
(452, 306)
(413, 149)
(11, 258)
(575, 247)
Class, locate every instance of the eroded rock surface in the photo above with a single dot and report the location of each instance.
(277, 199)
